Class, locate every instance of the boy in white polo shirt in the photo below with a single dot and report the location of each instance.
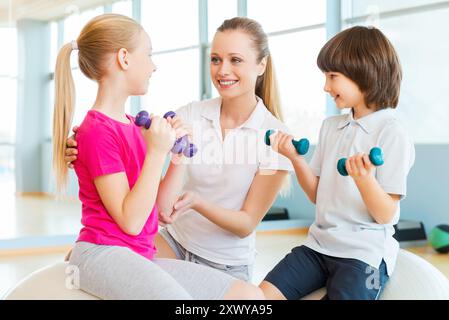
(350, 248)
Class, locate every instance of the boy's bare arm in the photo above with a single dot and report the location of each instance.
(306, 179)
(381, 205)
(282, 143)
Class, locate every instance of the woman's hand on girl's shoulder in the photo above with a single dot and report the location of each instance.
(71, 150)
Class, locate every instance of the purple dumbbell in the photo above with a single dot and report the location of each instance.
(181, 145)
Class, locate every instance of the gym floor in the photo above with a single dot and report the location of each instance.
(52, 224)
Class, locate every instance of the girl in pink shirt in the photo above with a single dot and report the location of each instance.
(119, 171)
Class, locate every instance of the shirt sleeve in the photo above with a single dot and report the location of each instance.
(399, 156)
(317, 158)
(275, 161)
(100, 151)
(184, 113)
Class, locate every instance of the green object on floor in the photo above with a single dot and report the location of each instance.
(439, 238)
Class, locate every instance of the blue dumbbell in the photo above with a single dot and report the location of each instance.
(181, 145)
(375, 156)
(301, 146)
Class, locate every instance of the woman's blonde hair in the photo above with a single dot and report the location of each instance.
(266, 86)
(101, 36)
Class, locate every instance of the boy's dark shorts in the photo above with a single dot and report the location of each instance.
(304, 270)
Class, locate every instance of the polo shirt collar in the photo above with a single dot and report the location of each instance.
(211, 110)
(370, 122)
(255, 120)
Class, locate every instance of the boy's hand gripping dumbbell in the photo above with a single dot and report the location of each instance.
(375, 156)
(301, 146)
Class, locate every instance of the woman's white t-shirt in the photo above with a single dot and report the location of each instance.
(222, 172)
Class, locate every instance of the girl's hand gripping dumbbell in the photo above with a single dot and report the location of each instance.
(181, 145)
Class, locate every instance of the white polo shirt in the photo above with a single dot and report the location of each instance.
(222, 172)
(343, 226)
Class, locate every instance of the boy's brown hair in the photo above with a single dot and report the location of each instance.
(367, 57)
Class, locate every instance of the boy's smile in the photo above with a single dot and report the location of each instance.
(346, 93)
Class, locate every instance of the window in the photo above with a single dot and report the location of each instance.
(7, 133)
(176, 53)
(8, 109)
(287, 14)
(75, 22)
(123, 7)
(8, 102)
(296, 34)
(366, 7)
(8, 83)
(217, 12)
(86, 92)
(171, 24)
(54, 45)
(419, 39)
(8, 61)
(175, 83)
(300, 81)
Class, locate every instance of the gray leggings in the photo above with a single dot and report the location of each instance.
(114, 272)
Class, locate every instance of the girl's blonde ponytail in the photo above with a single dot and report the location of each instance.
(63, 113)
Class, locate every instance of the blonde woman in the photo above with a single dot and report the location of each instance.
(119, 169)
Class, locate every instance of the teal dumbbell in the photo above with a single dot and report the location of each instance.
(375, 156)
(301, 146)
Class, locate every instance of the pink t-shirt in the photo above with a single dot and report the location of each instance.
(108, 146)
